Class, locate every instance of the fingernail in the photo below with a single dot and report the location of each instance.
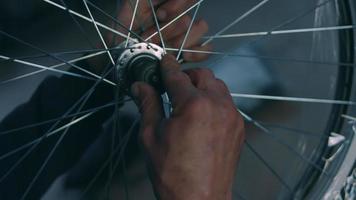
(161, 14)
(135, 90)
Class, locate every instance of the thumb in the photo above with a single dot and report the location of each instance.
(150, 105)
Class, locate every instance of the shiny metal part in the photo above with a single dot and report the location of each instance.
(140, 62)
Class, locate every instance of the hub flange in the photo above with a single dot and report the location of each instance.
(140, 62)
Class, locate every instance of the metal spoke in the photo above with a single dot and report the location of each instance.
(349, 117)
(50, 55)
(292, 20)
(280, 32)
(281, 25)
(80, 27)
(224, 54)
(68, 53)
(157, 25)
(19, 161)
(50, 68)
(86, 18)
(50, 132)
(118, 150)
(132, 22)
(116, 22)
(295, 130)
(44, 68)
(280, 141)
(249, 146)
(188, 32)
(236, 21)
(99, 33)
(293, 99)
(60, 118)
(121, 157)
(82, 101)
(98, 52)
(174, 20)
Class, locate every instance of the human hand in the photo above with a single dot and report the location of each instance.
(174, 34)
(193, 153)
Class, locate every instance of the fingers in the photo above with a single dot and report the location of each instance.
(204, 79)
(143, 15)
(150, 105)
(198, 30)
(177, 84)
(172, 31)
(172, 8)
(197, 53)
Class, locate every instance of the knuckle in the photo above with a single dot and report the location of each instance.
(173, 6)
(221, 84)
(200, 104)
(203, 25)
(206, 72)
(176, 77)
(185, 21)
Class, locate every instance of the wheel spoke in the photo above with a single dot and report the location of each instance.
(86, 18)
(29, 187)
(53, 67)
(249, 146)
(174, 20)
(236, 21)
(99, 33)
(60, 118)
(157, 25)
(295, 130)
(132, 23)
(51, 55)
(44, 68)
(35, 142)
(50, 132)
(68, 53)
(294, 99)
(283, 24)
(293, 60)
(349, 117)
(292, 20)
(118, 150)
(121, 157)
(188, 32)
(280, 141)
(80, 27)
(283, 32)
(82, 101)
(116, 22)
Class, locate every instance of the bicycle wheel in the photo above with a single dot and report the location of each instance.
(68, 131)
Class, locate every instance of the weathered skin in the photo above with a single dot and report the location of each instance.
(193, 154)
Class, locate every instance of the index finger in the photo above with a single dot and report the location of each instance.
(177, 84)
(172, 8)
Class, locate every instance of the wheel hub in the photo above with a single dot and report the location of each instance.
(140, 62)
